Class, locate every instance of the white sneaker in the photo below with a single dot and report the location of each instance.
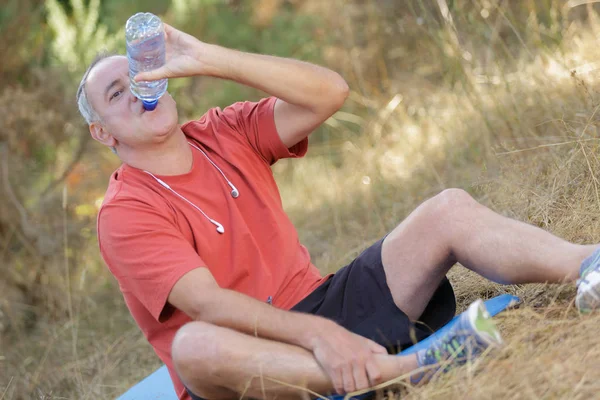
(588, 286)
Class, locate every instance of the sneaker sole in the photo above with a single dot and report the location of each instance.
(483, 325)
(588, 299)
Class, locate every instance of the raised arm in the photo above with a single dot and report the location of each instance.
(307, 94)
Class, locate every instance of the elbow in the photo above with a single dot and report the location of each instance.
(338, 93)
(342, 91)
(203, 304)
(197, 312)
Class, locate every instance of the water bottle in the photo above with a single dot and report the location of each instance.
(145, 41)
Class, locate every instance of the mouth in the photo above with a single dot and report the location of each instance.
(143, 110)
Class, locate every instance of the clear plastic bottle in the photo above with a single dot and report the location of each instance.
(145, 41)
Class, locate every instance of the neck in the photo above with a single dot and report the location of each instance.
(171, 157)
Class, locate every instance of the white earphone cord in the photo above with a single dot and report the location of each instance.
(220, 228)
(234, 192)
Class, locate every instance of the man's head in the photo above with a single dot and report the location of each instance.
(116, 118)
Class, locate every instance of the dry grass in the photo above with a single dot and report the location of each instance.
(550, 353)
(524, 143)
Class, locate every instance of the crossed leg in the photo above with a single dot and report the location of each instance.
(221, 363)
(452, 227)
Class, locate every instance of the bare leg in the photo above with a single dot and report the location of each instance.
(452, 227)
(220, 363)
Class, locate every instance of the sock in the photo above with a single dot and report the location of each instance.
(421, 359)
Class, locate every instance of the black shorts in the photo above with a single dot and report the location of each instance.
(358, 298)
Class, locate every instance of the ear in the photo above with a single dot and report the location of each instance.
(100, 134)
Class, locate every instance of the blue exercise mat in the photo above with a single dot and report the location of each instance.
(158, 385)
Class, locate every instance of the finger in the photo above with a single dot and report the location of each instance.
(154, 75)
(349, 385)
(373, 372)
(338, 382)
(360, 375)
(377, 348)
(168, 29)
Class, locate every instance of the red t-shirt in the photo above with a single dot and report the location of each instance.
(150, 238)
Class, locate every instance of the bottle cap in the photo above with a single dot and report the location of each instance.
(149, 105)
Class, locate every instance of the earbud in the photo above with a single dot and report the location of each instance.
(234, 192)
(220, 228)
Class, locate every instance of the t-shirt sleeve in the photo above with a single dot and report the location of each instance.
(256, 121)
(145, 252)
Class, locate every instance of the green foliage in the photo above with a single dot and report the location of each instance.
(80, 36)
(215, 21)
(114, 14)
(23, 44)
(288, 35)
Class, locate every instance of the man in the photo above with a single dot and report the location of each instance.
(211, 268)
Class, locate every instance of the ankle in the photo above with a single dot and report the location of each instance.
(425, 369)
(393, 366)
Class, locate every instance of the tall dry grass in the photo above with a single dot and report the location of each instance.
(521, 135)
(503, 106)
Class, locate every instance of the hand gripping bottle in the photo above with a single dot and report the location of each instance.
(145, 40)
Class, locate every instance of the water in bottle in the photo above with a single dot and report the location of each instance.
(145, 40)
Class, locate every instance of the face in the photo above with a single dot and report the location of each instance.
(123, 120)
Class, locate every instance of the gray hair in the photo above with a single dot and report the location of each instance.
(85, 108)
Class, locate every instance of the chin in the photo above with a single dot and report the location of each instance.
(161, 133)
(162, 124)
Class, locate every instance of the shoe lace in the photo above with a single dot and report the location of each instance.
(457, 347)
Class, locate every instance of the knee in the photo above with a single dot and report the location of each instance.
(454, 197)
(451, 203)
(195, 350)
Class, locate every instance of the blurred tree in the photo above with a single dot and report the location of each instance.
(23, 43)
(79, 36)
